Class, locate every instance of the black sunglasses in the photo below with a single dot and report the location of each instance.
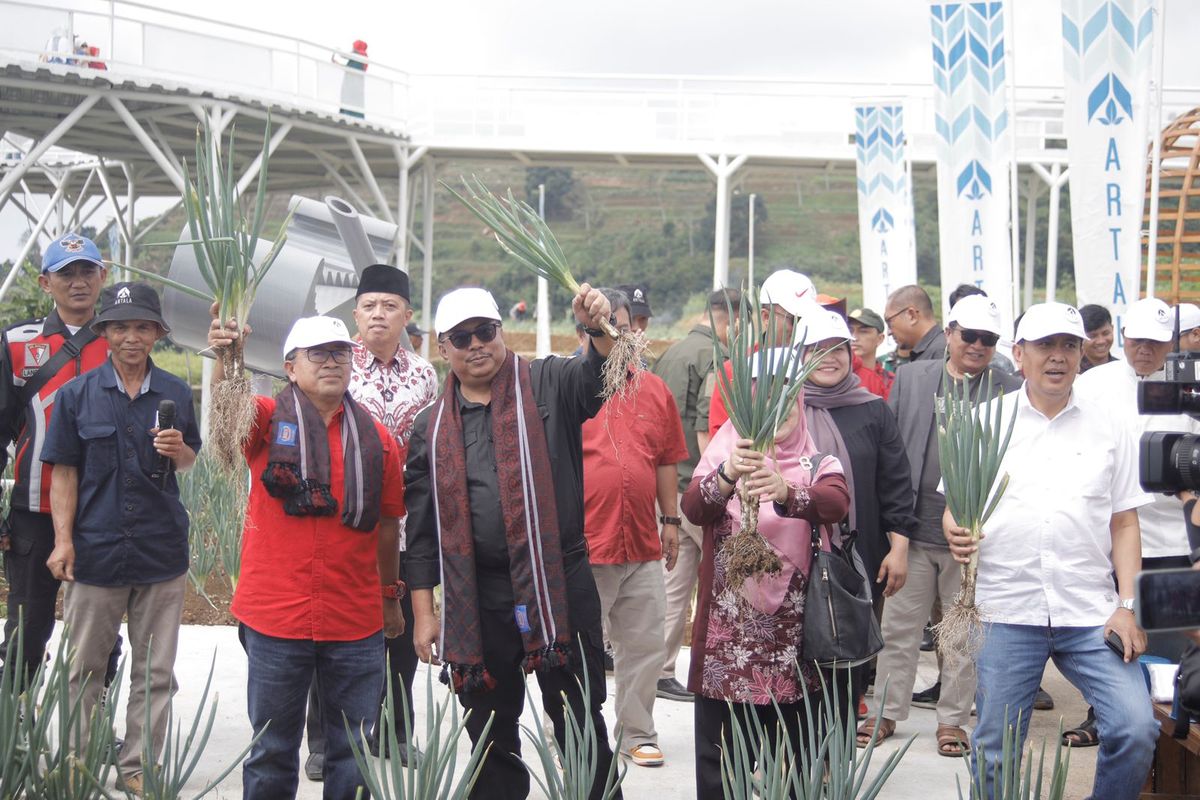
(462, 339)
(984, 338)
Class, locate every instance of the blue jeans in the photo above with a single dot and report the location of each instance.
(348, 679)
(1010, 667)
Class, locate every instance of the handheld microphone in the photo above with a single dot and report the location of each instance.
(164, 465)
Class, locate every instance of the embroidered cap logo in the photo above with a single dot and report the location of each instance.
(123, 295)
(72, 244)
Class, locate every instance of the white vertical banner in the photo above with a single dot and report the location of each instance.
(974, 150)
(1107, 60)
(887, 238)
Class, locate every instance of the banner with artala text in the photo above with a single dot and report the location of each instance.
(974, 150)
(1107, 61)
(885, 222)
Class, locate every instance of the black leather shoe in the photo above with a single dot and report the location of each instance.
(314, 767)
(929, 697)
(928, 645)
(671, 689)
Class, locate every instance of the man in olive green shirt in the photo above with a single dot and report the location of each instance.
(687, 369)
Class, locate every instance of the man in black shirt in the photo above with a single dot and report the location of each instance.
(910, 320)
(517, 586)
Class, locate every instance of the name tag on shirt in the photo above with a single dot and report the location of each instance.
(286, 433)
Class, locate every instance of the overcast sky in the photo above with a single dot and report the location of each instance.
(845, 40)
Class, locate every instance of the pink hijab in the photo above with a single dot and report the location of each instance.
(789, 537)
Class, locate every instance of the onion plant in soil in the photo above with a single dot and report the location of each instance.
(972, 440)
(757, 407)
(526, 237)
(224, 236)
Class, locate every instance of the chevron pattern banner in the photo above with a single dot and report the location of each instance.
(974, 149)
(885, 222)
(1107, 60)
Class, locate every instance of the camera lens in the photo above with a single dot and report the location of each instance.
(1185, 458)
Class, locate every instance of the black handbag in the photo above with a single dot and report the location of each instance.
(840, 628)
(1187, 691)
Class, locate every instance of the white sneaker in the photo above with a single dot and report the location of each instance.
(646, 755)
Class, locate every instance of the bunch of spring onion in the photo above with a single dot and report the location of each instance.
(971, 445)
(224, 238)
(757, 407)
(525, 236)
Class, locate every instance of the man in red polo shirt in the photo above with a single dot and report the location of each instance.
(321, 538)
(630, 450)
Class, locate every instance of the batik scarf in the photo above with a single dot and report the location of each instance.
(526, 483)
(299, 463)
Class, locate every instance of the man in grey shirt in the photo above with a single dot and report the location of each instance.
(910, 320)
(972, 331)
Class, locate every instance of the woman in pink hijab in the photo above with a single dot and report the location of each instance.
(746, 643)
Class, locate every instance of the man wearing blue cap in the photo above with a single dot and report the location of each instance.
(37, 357)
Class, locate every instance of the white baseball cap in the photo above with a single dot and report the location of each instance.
(312, 331)
(976, 313)
(1049, 319)
(1189, 316)
(822, 325)
(791, 291)
(1149, 318)
(462, 304)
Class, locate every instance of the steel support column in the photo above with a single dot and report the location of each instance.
(427, 202)
(369, 178)
(722, 169)
(1055, 179)
(1033, 191)
(147, 143)
(406, 159)
(19, 261)
(38, 150)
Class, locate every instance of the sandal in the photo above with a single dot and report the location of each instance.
(1085, 735)
(876, 729)
(952, 741)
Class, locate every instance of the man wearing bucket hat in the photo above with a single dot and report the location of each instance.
(1066, 524)
(972, 331)
(495, 500)
(392, 384)
(120, 531)
(36, 358)
(320, 560)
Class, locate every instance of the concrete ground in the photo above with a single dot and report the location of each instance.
(921, 775)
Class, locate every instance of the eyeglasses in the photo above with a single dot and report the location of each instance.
(461, 340)
(888, 320)
(983, 337)
(340, 356)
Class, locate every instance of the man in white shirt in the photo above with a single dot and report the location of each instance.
(1189, 326)
(1066, 523)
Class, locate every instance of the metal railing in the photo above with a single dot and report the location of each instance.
(650, 114)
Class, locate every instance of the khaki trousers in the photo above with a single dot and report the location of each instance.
(631, 605)
(93, 618)
(932, 573)
(680, 586)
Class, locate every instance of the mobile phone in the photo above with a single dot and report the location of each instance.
(1115, 643)
(1168, 599)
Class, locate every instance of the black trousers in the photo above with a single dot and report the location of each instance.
(401, 655)
(503, 776)
(33, 591)
(712, 733)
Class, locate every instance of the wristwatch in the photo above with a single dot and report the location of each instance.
(595, 333)
(663, 519)
(721, 474)
(1127, 604)
(394, 591)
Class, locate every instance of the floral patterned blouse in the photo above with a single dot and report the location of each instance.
(738, 652)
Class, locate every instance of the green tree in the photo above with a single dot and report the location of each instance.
(739, 223)
(560, 188)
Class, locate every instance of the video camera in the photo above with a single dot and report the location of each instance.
(1170, 462)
